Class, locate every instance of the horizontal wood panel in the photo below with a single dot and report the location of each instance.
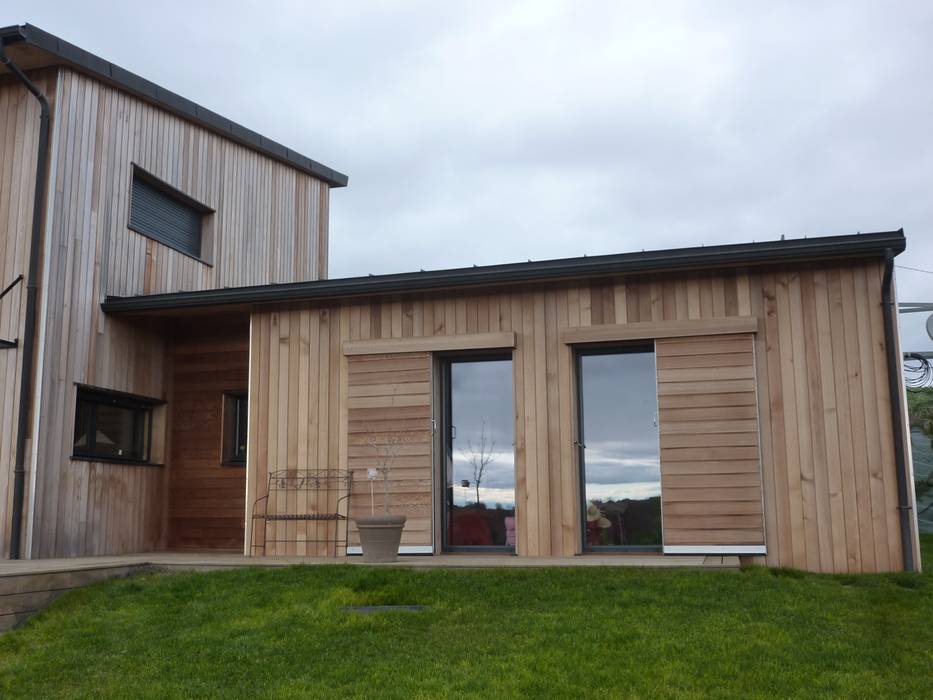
(728, 466)
(475, 341)
(711, 439)
(658, 329)
(206, 500)
(669, 494)
(706, 374)
(694, 508)
(705, 521)
(714, 480)
(728, 400)
(695, 454)
(671, 426)
(680, 416)
(701, 347)
(410, 482)
(695, 536)
(713, 386)
(711, 488)
(726, 359)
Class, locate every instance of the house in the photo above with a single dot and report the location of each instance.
(191, 356)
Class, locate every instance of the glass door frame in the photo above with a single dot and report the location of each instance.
(580, 442)
(445, 452)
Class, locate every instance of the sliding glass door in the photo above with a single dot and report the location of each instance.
(618, 447)
(479, 454)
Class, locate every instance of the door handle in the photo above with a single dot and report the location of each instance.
(577, 443)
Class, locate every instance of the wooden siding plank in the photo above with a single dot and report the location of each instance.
(468, 341)
(658, 329)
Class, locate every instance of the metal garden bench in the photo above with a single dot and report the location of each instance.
(293, 496)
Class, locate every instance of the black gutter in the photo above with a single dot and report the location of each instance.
(680, 259)
(86, 62)
(889, 310)
(32, 286)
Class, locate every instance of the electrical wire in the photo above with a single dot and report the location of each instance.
(918, 373)
(914, 269)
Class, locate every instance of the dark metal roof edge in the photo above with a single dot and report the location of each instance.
(731, 255)
(140, 87)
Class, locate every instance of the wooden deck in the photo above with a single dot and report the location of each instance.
(222, 560)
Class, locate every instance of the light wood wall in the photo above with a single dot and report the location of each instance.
(389, 397)
(270, 226)
(19, 132)
(827, 463)
(710, 461)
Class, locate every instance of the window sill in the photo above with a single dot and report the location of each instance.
(115, 460)
(234, 465)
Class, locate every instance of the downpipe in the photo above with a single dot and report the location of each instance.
(32, 287)
(897, 411)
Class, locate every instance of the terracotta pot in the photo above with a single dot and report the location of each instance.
(380, 536)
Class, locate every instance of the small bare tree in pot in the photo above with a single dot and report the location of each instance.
(381, 534)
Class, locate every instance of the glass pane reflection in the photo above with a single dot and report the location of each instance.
(622, 474)
(481, 465)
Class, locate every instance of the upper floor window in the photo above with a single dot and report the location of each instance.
(162, 213)
(112, 426)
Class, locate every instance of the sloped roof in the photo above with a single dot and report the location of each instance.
(864, 246)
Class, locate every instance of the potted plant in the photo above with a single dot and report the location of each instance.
(381, 534)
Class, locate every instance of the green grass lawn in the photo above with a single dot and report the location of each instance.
(577, 633)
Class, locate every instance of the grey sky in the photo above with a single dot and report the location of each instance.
(487, 132)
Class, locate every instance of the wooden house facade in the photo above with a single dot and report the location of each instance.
(741, 399)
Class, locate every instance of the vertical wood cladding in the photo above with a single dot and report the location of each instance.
(269, 226)
(710, 459)
(824, 433)
(19, 134)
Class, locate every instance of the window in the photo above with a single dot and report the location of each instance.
(619, 454)
(159, 212)
(236, 425)
(111, 426)
(479, 458)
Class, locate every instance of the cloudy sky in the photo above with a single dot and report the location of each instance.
(485, 132)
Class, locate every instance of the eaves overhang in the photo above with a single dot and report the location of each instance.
(766, 253)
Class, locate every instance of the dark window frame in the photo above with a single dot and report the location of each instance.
(579, 352)
(445, 361)
(238, 402)
(142, 407)
(180, 197)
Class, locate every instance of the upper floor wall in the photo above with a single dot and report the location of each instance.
(269, 221)
(269, 225)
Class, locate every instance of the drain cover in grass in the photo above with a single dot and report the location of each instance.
(370, 609)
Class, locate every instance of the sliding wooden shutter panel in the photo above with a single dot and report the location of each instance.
(389, 394)
(711, 497)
